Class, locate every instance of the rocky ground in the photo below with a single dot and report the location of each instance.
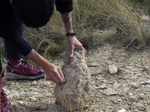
(126, 91)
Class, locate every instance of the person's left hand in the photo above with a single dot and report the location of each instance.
(74, 43)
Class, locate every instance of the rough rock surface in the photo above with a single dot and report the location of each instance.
(75, 90)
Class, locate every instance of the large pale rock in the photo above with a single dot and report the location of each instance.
(73, 93)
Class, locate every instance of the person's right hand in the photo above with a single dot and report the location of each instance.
(54, 73)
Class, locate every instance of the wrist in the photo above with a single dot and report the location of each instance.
(70, 34)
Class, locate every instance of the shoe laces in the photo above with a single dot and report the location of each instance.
(27, 66)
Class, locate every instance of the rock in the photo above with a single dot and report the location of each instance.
(38, 106)
(140, 97)
(75, 90)
(132, 99)
(145, 82)
(94, 64)
(21, 103)
(103, 86)
(126, 89)
(94, 71)
(140, 107)
(134, 85)
(34, 82)
(130, 94)
(115, 85)
(110, 92)
(113, 69)
(23, 94)
(33, 99)
(10, 96)
(122, 110)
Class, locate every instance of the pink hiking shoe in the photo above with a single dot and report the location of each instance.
(23, 71)
(4, 101)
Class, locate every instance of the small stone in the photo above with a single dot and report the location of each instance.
(110, 92)
(122, 110)
(133, 99)
(126, 89)
(115, 85)
(119, 100)
(34, 82)
(38, 106)
(33, 99)
(140, 97)
(113, 69)
(134, 85)
(130, 94)
(35, 93)
(21, 103)
(145, 82)
(98, 110)
(10, 96)
(140, 107)
(103, 86)
(94, 64)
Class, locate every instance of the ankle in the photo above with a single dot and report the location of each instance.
(14, 62)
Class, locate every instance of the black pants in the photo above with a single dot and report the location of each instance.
(1, 73)
(10, 51)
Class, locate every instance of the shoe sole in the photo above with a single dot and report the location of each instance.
(13, 76)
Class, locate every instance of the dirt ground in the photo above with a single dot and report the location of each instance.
(129, 89)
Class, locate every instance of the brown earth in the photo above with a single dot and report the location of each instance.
(129, 89)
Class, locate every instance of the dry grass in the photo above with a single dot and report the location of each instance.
(92, 21)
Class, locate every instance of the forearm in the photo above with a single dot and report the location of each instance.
(38, 59)
(67, 20)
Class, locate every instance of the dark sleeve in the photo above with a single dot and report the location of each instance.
(64, 6)
(20, 44)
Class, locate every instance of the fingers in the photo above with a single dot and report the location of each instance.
(61, 73)
(58, 77)
(83, 48)
(52, 78)
(71, 50)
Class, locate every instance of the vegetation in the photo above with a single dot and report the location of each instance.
(96, 22)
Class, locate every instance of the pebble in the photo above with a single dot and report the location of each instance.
(133, 99)
(126, 89)
(21, 103)
(130, 94)
(113, 69)
(140, 97)
(110, 92)
(122, 110)
(103, 86)
(38, 106)
(116, 85)
(134, 85)
(145, 82)
(94, 64)
(33, 99)
(34, 82)
(140, 107)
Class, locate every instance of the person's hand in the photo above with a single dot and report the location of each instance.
(11, 1)
(54, 73)
(74, 43)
